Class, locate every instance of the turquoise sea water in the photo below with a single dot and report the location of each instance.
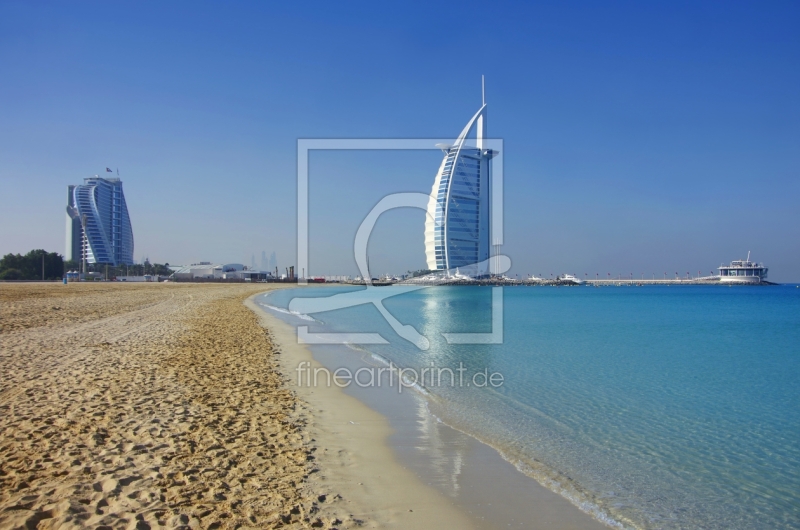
(649, 407)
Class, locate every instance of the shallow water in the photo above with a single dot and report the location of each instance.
(655, 407)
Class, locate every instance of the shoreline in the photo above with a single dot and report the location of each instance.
(354, 457)
(480, 482)
(161, 405)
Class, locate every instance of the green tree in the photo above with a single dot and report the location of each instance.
(11, 274)
(161, 270)
(34, 265)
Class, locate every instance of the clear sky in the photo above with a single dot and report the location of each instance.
(640, 137)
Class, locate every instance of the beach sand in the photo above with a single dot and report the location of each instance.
(162, 405)
(144, 405)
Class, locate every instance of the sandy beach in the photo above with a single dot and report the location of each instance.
(174, 405)
(162, 405)
(145, 405)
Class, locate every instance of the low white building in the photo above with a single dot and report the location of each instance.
(145, 278)
(211, 271)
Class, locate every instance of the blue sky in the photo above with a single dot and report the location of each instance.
(639, 137)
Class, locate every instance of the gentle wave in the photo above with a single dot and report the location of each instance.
(381, 359)
(287, 312)
(395, 368)
(368, 356)
(547, 477)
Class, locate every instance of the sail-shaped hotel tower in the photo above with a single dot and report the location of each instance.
(457, 227)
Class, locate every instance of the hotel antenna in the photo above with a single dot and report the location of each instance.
(483, 90)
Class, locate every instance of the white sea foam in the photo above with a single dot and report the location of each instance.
(416, 387)
(287, 312)
(408, 382)
(547, 477)
(381, 359)
(355, 347)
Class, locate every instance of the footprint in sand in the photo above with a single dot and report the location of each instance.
(105, 486)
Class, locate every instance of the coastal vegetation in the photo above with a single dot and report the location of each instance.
(16, 267)
(35, 265)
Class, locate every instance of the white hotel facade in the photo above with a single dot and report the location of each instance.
(457, 227)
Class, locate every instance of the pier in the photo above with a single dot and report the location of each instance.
(535, 282)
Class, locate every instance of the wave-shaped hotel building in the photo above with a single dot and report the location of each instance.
(98, 225)
(457, 227)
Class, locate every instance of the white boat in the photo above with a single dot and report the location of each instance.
(743, 271)
(459, 276)
(569, 278)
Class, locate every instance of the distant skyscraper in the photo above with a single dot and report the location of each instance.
(264, 262)
(273, 261)
(457, 224)
(108, 238)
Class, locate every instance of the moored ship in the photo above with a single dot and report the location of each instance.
(570, 279)
(743, 271)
